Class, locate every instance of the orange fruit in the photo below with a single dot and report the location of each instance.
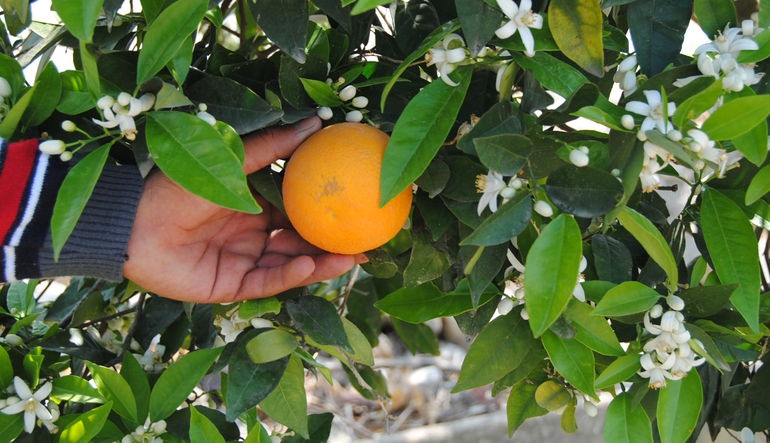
(331, 190)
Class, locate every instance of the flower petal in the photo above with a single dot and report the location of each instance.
(22, 390)
(528, 40)
(506, 30)
(638, 107)
(508, 7)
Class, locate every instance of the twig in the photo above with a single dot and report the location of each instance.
(134, 326)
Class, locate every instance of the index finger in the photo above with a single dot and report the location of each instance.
(265, 147)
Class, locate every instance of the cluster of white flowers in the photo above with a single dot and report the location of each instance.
(33, 405)
(492, 185)
(709, 160)
(231, 325)
(668, 354)
(349, 97)
(625, 76)
(120, 112)
(514, 293)
(719, 58)
(152, 359)
(447, 56)
(148, 433)
(521, 18)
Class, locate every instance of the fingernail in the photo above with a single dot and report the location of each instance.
(309, 124)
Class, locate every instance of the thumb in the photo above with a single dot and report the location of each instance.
(264, 147)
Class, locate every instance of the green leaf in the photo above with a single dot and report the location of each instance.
(362, 6)
(612, 259)
(652, 241)
(657, 31)
(73, 196)
(576, 26)
(419, 304)
(630, 297)
(501, 152)
(500, 119)
(75, 96)
(554, 74)
(319, 319)
(321, 92)
(487, 261)
(178, 380)
(79, 16)
(521, 405)
(416, 139)
(287, 403)
(620, 370)
(45, 97)
(551, 272)
(115, 389)
(6, 368)
(584, 192)
(753, 144)
(697, 104)
(253, 381)
(134, 374)
(426, 263)
(418, 338)
(487, 360)
(165, 36)
(714, 15)
(271, 345)
(510, 220)
(679, 405)
(257, 434)
(737, 117)
(11, 426)
(592, 330)
(233, 103)
(732, 246)
(285, 23)
(257, 308)
(9, 124)
(705, 301)
(479, 22)
(202, 430)
(87, 425)
(573, 360)
(626, 421)
(759, 186)
(75, 389)
(194, 155)
(90, 69)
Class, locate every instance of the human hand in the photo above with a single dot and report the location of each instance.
(186, 248)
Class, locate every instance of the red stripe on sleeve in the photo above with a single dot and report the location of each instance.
(16, 173)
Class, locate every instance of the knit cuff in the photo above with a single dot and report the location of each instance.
(97, 246)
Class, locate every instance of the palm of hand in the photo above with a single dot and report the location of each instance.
(186, 248)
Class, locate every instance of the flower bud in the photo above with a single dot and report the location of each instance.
(674, 135)
(325, 113)
(5, 88)
(206, 117)
(258, 323)
(124, 98)
(675, 302)
(105, 102)
(507, 192)
(628, 64)
(747, 435)
(505, 306)
(627, 121)
(65, 156)
(360, 101)
(543, 208)
(14, 340)
(591, 409)
(578, 158)
(656, 311)
(347, 93)
(52, 147)
(354, 116)
(68, 125)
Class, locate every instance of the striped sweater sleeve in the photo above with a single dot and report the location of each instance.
(29, 183)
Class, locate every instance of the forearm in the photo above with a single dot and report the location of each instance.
(96, 247)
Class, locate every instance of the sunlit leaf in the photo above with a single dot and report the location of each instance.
(573, 360)
(679, 405)
(737, 117)
(618, 371)
(626, 421)
(79, 17)
(759, 186)
(287, 403)
(576, 25)
(651, 240)
(592, 330)
(202, 430)
(714, 15)
(415, 140)
(630, 297)
(551, 272)
(86, 426)
(733, 249)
